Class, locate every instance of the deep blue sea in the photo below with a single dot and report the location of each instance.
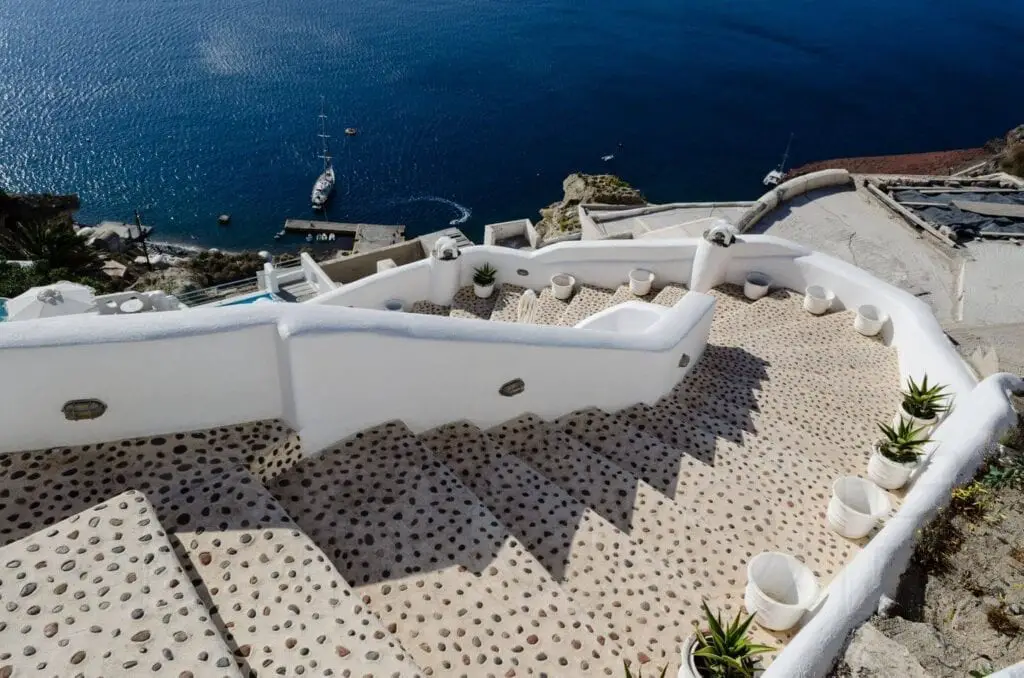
(475, 110)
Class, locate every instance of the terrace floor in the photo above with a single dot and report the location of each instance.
(556, 548)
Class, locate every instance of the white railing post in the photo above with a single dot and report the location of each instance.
(270, 277)
(712, 257)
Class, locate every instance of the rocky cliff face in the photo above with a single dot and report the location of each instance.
(562, 218)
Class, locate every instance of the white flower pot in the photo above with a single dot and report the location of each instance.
(687, 666)
(888, 474)
(483, 291)
(640, 281)
(818, 300)
(925, 425)
(562, 285)
(869, 320)
(780, 589)
(394, 305)
(756, 285)
(856, 507)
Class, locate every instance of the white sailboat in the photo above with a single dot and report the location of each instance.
(324, 185)
(774, 177)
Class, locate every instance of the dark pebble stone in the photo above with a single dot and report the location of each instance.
(140, 637)
(28, 589)
(78, 657)
(50, 630)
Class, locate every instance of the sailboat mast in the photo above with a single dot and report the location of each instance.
(324, 152)
(785, 156)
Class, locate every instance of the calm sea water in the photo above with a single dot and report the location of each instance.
(473, 111)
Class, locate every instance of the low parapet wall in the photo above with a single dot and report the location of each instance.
(789, 190)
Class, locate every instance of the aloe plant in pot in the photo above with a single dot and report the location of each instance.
(922, 404)
(896, 455)
(483, 280)
(722, 650)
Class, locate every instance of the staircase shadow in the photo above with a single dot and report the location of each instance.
(723, 392)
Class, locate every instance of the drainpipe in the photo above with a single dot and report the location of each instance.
(712, 259)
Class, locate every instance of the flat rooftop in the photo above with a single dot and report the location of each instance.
(978, 282)
(614, 221)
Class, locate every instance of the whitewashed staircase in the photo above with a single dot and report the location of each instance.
(544, 548)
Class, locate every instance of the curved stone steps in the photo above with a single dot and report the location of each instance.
(506, 303)
(641, 602)
(698, 550)
(736, 315)
(465, 304)
(586, 301)
(463, 595)
(101, 593)
(670, 294)
(549, 309)
(276, 600)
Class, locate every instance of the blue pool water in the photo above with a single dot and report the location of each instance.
(472, 111)
(251, 300)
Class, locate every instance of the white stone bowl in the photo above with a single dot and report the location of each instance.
(780, 589)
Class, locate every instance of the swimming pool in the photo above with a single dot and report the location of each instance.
(3, 310)
(263, 296)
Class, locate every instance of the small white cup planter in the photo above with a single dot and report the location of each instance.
(888, 474)
(925, 425)
(856, 507)
(640, 281)
(562, 285)
(869, 320)
(818, 300)
(483, 291)
(780, 589)
(394, 305)
(756, 285)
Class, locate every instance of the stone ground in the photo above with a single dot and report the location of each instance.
(951, 620)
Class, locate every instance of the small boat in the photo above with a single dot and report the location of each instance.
(278, 235)
(606, 158)
(324, 185)
(351, 131)
(775, 177)
(309, 237)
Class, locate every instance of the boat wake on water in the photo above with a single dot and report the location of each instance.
(464, 212)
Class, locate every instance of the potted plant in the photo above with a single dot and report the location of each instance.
(720, 650)
(896, 455)
(922, 404)
(756, 285)
(483, 280)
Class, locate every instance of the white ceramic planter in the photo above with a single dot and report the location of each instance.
(780, 589)
(687, 667)
(925, 425)
(756, 285)
(888, 474)
(869, 320)
(562, 285)
(818, 300)
(483, 291)
(856, 507)
(394, 305)
(640, 281)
